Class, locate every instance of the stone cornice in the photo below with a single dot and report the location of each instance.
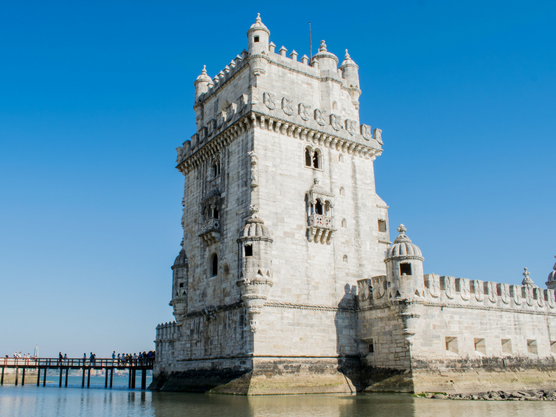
(228, 134)
(320, 307)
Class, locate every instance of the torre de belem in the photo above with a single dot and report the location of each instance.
(287, 281)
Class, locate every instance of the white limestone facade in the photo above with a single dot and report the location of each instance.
(282, 284)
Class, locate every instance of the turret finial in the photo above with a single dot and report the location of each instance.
(401, 229)
(527, 280)
(347, 55)
(258, 20)
(204, 71)
(554, 264)
(322, 46)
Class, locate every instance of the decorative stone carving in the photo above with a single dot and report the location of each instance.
(318, 117)
(492, 291)
(462, 285)
(242, 102)
(379, 286)
(479, 288)
(211, 127)
(254, 169)
(540, 296)
(364, 289)
(287, 106)
(351, 126)
(550, 298)
(180, 152)
(304, 111)
(366, 132)
(378, 135)
(230, 111)
(269, 100)
(432, 282)
(220, 119)
(202, 134)
(504, 291)
(516, 293)
(335, 121)
(450, 287)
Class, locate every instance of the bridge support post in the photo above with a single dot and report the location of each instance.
(83, 379)
(134, 378)
(67, 375)
(106, 377)
(61, 375)
(111, 376)
(144, 378)
(129, 381)
(89, 378)
(38, 376)
(2, 380)
(16, 375)
(23, 377)
(44, 380)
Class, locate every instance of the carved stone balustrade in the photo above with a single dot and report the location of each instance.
(210, 231)
(321, 228)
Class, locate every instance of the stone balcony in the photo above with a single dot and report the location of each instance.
(321, 228)
(210, 231)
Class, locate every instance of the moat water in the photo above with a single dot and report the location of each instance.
(52, 401)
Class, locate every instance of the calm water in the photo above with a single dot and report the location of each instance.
(75, 402)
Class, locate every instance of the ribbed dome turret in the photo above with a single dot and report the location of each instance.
(181, 259)
(258, 25)
(402, 247)
(326, 60)
(202, 83)
(255, 227)
(552, 275)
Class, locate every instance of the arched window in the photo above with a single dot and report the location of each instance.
(327, 209)
(214, 265)
(344, 223)
(316, 159)
(215, 168)
(345, 258)
(307, 157)
(318, 207)
(342, 191)
(341, 158)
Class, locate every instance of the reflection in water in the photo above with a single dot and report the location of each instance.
(82, 402)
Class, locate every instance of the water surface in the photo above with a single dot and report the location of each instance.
(96, 402)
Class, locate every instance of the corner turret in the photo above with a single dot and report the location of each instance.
(350, 72)
(551, 283)
(404, 267)
(325, 59)
(180, 286)
(258, 35)
(202, 83)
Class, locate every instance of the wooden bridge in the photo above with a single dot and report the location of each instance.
(108, 364)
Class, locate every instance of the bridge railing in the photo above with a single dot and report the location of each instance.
(74, 362)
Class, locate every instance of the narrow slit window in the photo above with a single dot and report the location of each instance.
(214, 265)
(382, 226)
(316, 160)
(371, 346)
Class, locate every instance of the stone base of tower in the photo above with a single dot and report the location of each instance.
(267, 376)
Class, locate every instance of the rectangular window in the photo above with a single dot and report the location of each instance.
(532, 347)
(452, 344)
(405, 268)
(248, 250)
(382, 226)
(480, 346)
(372, 346)
(506, 346)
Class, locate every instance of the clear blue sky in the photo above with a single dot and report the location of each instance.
(96, 96)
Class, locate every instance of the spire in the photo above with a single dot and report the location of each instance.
(401, 230)
(322, 46)
(527, 280)
(346, 56)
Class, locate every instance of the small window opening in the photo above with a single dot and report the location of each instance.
(372, 346)
(532, 347)
(342, 191)
(214, 265)
(344, 223)
(452, 344)
(334, 105)
(553, 347)
(316, 162)
(318, 207)
(405, 268)
(480, 346)
(215, 169)
(307, 157)
(216, 213)
(248, 250)
(256, 39)
(345, 259)
(341, 158)
(181, 284)
(382, 226)
(506, 346)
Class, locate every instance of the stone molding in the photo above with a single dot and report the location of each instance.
(320, 307)
(193, 159)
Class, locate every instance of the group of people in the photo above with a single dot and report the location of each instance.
(144, 358)
(21, 356)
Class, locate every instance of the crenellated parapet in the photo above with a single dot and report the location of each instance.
(167, 332)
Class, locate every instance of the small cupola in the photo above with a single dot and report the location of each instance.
(326, 60)
(404, 267)
(258, 35)
(551, 283)
(350, 72)
(527, 281)
(202, 83)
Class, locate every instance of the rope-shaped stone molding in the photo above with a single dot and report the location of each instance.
(320, 307)
(226, 137)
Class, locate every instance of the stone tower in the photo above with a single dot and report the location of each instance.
(281, 219)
